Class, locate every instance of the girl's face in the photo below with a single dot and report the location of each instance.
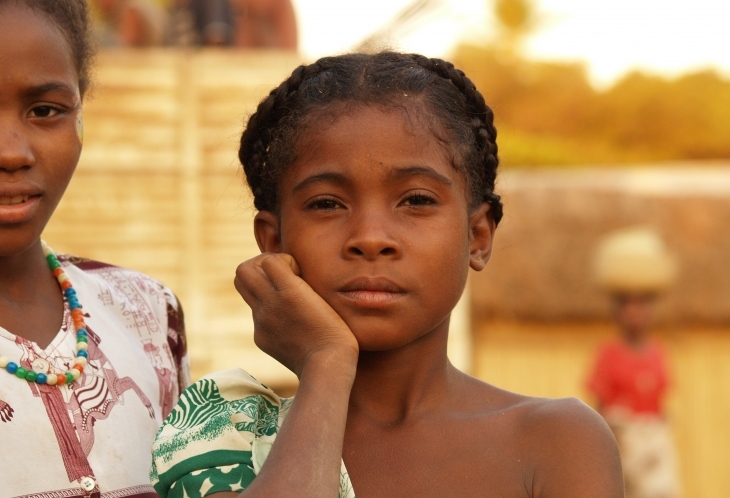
(635, 314)
(379, 222)
(40, 142)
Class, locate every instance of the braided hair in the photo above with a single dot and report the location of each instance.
(72, 18)
(387, 79)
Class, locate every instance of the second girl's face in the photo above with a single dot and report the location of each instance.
(39, 143)
(378, 220)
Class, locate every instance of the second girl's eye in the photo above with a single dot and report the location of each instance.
(323, 203)
(43, 111)
(419, 199)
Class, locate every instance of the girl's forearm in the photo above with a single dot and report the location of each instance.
(305, 460)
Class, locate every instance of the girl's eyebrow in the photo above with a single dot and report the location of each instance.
(400, 173)
(38, 90)
(395, 174)
(338, 178)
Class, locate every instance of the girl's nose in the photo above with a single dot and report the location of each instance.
(15, 151)
(371, 239)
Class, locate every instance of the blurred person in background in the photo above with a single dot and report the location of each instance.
(130, 23)
(238, 23)
(629, 377)
(265, 24)
(202, 22)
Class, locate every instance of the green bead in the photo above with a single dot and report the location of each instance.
(69, 377)
(82, 338)
(31, 376)
(21, 372)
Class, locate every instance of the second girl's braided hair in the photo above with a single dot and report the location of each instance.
(387, 79)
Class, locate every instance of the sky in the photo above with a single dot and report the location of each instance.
(612, 37)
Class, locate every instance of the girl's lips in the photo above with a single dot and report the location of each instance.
(372, 298)
(17, 209)
(372, 292)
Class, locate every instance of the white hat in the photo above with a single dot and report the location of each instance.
(634, 260)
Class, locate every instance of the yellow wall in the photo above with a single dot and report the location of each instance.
(552, 360)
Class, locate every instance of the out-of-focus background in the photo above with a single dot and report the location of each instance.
(610, 114)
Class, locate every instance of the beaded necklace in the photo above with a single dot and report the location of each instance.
(47, 377)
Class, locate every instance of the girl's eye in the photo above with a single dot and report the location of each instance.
(419, 199)
(43, 111)
(323, 204)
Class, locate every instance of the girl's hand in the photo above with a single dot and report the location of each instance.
(292, 323)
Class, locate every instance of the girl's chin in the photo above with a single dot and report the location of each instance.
(15, 240)
(380, 342)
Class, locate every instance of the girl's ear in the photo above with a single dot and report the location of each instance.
(266, 230)
(481, 232)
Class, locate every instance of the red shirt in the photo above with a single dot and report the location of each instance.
(630, 378)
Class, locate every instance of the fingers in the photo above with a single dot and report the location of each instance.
(242, 289)
(251, 281)
(281, 269)
(291, 262)
(256, 277)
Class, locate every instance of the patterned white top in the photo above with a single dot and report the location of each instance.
(95, 433)
(218, 437)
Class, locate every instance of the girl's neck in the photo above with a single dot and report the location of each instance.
(394, 386)
(20, 274)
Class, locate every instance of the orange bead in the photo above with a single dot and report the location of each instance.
(77, 313)
(66, 285)
(57, 272)
(79, 367)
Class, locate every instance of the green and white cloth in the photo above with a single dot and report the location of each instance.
(218, 437)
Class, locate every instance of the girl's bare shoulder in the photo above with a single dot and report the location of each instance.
(568, 446)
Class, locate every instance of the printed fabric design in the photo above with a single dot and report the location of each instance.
(218, 437)
(137, 367)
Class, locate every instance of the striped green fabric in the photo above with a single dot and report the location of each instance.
(218, 436)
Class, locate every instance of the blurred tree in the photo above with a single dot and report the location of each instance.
(549, 114)
(516, 19)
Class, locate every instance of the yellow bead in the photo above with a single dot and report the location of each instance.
(62, 278)
(80, 360)
(81, 346)
(75, 373)
(52, 379)
(3, 362)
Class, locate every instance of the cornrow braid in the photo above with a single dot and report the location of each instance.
(387, 79)
(259, 133)
(482, 119)
(72, 18)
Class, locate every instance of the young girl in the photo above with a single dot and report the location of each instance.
(374, 180)
(630, 376)
(93, 356)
